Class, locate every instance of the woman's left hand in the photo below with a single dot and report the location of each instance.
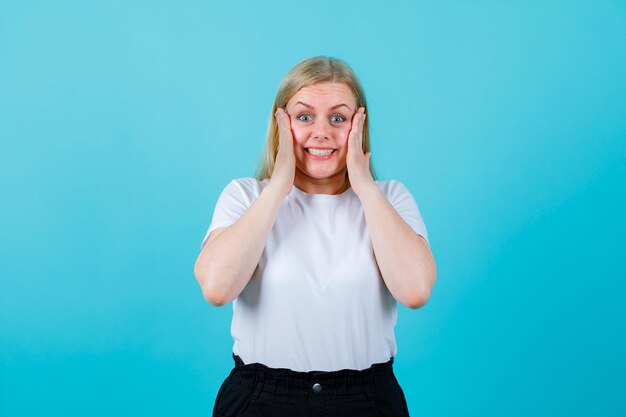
(358, 163)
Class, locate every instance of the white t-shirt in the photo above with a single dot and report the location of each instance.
(317, 300)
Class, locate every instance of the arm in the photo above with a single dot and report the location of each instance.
(227, 261)
(403, 257)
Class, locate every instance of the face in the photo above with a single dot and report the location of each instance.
(321, 117)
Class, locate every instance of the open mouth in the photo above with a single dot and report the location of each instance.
(320, 152)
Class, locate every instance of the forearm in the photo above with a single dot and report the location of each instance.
(227, 263)
(403, 257)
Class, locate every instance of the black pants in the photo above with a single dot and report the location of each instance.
(255, 390)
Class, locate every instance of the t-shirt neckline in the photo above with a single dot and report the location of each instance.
(295, 191)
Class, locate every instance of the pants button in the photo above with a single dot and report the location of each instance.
(317, 388)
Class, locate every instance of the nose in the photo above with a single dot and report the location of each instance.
(321, 129)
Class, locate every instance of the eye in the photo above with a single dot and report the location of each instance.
(303, 115)
(340, 117)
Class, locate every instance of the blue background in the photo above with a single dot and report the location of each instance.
(121, 122)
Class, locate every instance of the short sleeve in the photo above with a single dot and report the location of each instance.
(406, 206)
(232, 203)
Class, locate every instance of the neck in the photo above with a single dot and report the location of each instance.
(335, 184)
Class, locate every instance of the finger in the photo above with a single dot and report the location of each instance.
(363, 116)
(280, 114)
(281, 129)
(354, 128)
(282, 119)
(353, 121)
(279, 119)
(285, 136)
(357, 129)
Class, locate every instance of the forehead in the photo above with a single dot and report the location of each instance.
(324, 95)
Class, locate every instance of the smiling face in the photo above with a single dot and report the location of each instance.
(321, 118)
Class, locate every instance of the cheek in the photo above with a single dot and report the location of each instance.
(343, 135)
(299, 134)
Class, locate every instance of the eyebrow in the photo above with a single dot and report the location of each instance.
(332, 108)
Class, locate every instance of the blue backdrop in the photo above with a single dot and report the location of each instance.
(121, 122)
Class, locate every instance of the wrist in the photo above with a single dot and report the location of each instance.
(364, 190)
(275, 191)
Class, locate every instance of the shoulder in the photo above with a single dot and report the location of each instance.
(391, 188)
(248, 188)
(249, 183)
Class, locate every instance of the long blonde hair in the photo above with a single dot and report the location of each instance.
(311, 71)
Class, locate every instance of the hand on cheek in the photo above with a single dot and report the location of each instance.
(358, 162)
(285, 165)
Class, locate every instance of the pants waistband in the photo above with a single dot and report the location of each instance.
(259, 377)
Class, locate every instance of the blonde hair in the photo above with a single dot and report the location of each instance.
(311, 71)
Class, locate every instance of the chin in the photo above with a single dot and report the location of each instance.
(322, 172)
(319, 173)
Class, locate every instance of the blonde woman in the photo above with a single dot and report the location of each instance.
(315, 253)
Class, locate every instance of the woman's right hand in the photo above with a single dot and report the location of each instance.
(285, 165)
(227, 263)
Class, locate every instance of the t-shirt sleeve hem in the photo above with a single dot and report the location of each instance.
(425, 238)
(217, 225)
(406, 206)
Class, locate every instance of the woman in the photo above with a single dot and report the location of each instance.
(314, 253)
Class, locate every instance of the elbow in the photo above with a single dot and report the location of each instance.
(214, 298)
(416, 301)
(419, 298)
(211, 295)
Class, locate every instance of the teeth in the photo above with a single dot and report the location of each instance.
(320, 152)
